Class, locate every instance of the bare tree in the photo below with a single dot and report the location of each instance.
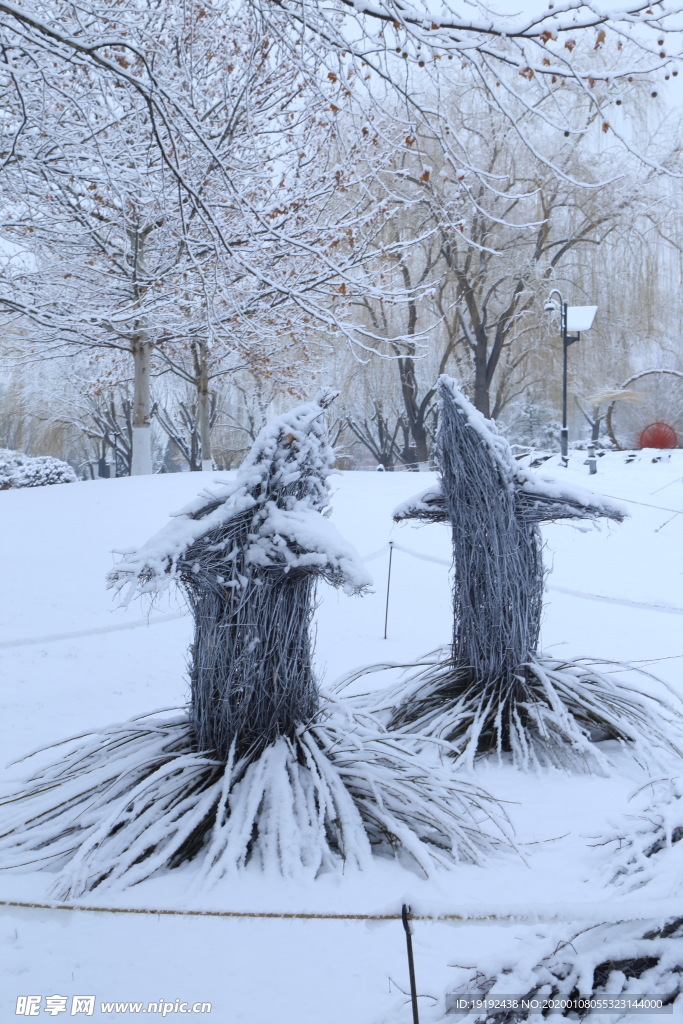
(169, 193)
(476, 280)
(107, 420)
(185, 422)
(265, 222)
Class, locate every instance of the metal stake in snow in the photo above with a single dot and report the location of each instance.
(405, 912)
(386, 610)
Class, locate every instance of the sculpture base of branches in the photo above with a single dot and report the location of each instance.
(608, 960)
(138, 798)
(550, 714)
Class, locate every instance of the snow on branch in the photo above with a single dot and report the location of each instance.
(478, 33)
(644, 851)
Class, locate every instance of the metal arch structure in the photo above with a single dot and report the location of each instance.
(633, 399)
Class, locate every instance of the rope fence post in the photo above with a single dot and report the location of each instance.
(386, 609)
(405, 912)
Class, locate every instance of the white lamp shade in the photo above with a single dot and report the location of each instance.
(580, 318)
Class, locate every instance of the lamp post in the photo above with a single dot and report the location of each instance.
(573, 320)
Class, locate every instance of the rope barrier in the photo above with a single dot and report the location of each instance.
(94, 631)
(422, 557)
(676, 480)
(653, 910)
(670, 609)
(645, 504)
(651, 661)
(375, 554)
(173, 912)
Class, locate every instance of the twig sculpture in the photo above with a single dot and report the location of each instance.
(247, 557)
(493, 691)
(262, 769)
(620, 965)
(645, 851)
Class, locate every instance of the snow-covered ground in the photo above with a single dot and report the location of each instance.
(71, 661)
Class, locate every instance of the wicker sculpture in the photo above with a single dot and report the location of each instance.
(248, 556)
(492, 691)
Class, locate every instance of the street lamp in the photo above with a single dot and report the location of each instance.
(573, 320)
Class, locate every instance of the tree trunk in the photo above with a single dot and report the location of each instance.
(204, 400)
(482, 400)
(415, 414)
(141, 462)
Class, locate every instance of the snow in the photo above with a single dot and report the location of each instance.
(556, 487)
(71, 662)
(580, 318)
(418, 503)
(303, 538)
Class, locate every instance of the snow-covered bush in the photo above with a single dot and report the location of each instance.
(18, 470)
(532, 424)
(8, 467)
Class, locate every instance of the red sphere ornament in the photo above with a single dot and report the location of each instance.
(658, 435)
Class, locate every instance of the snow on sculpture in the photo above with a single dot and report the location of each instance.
(493, 691)
(262, 769)
(584, 974)
(643, 852)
